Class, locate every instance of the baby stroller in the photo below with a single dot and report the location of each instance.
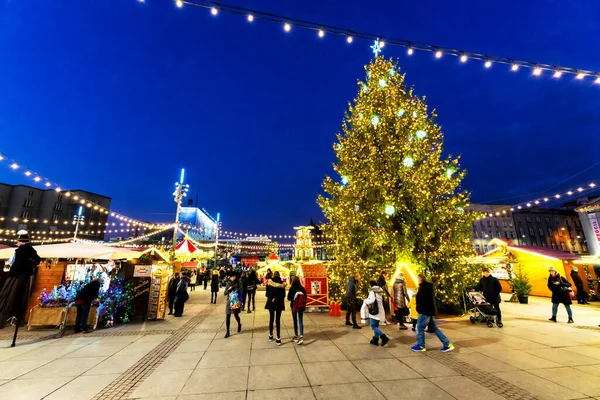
(482, 311)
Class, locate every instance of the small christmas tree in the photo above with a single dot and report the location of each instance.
(397, 197)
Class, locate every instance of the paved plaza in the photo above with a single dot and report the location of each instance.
(188, 358)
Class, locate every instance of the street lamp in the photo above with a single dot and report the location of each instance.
(217, 237)
(77, 218)
(180, 192)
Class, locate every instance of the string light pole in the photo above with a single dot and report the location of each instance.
(217, 237)
(78, 218)
(180, 192)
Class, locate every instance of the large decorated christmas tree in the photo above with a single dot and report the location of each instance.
(397, 197)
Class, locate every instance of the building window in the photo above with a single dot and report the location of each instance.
(567, 222)
(504, 224)
(518, 219)
(534, 242)
(58, 207)
(496, 223)
(549, 231)
(54, 217)
(531, 232)
(522, 231)
(528, 219)
(28, 203)
(577, 223)
(25, 215)
(541, 231)
(506, 235)
(547, 219)
(498, 235)
(554, 246)
(477, 248)
(556, 220)
(560, 232)
(538, 220)
(510, 223)
(485, 248)
(59, 199)
(476, 235)
(31, 192)
(489, 223)
(562, 246)
(512, 235)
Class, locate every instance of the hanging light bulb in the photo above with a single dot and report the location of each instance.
(597, 81)
(381, 44)
(557, 74)
(410, 51)
(349, 39)
(214, 11)
(321, 33)
(537, 71)
(287, 27)
(514, 67)
(250, 18)
(487, 64)
(179, 3)
(438, 54)
(580, 76)
(463, 58)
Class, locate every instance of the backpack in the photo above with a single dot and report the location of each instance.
(234, 300)
(374, 307)
(299, 302)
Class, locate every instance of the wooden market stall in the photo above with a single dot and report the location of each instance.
(315, 280)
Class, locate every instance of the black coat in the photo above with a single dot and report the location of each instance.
(89, 292)
(351, 288)
(490, 287)
(383, 285)
(214, 283)
(559, 295)
(576, 278)
(275, 295)
(425, 300)
(26, 259)
(181, 294)
(172, 288)
(292, 293)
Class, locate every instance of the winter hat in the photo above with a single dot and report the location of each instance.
(23, 236)
(400, 275)
(552, 269)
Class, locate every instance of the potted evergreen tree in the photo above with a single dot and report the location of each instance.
(519, 284)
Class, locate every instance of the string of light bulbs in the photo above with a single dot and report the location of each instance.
(540, 201)
(147, 235)
(488, 60)
(38, 178)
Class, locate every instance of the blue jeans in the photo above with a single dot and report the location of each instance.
(375, 327)
(555, 310)
(83, 313)
(422, 323)
(298, 321)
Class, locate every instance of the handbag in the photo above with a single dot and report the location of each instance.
(571, 294)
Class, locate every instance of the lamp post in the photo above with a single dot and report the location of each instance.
(77, 218)
(179, 193)
(217, 237)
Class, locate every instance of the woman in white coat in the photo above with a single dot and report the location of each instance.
(376, 313)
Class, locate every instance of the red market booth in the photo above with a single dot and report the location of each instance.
(314, 277)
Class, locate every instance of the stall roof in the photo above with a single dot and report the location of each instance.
(539, 251)
(79, 250)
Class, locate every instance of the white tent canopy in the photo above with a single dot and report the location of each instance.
(88, 251)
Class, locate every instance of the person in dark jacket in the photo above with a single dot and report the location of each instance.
(490, 287)
(14, 294)
(352, 301)
(250, 285)
(578, 282)
(214, 286)
(560, 288)
(427, 310)
(243, 281)
(181, 295)
(382, 283)
(297, 316)
(275, 304)
(83, 301)
(401, 300)
(171, 289)
(232, 290)
(206, 277)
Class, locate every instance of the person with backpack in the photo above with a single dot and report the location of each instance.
(181, 295)
(275, 304)
(297, 299)
(376, 313)
(427, 310)
(214, 286)
(233, 303)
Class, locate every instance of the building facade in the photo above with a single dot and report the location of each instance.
(496, 222)
(49, 212)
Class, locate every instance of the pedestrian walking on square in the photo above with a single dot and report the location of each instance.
(171, 289)
(84, 299)
(206, 277)
(233, 303)
(427, 310)
(560, 288)
(382, 283)
(401, 300)
(181, 296)
(14, 294)
(352, 301)
(297, 299)
(251, 284)
(275, 304)
(193, 278)
(214, 287)
(490, 287)
(414, 315)
(376, 313)
(578, 282)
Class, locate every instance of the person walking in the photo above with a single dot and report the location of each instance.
(376, 313)
(427, 310)
(192, 283)
(275, 304)
(206, 277)
(490, 287)
(244, 288)
(560, 288)
(382, 283)
(214, 286)
(251, 285)
(181, 295)
(84, 299)
(401, 300)
(578, 282)
(171, 289)
(233, 303)
(14, 294)
(297, 299)
(352, 301)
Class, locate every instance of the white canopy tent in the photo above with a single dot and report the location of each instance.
(88, 251)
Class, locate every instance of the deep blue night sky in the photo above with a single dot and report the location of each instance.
(116, 96)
